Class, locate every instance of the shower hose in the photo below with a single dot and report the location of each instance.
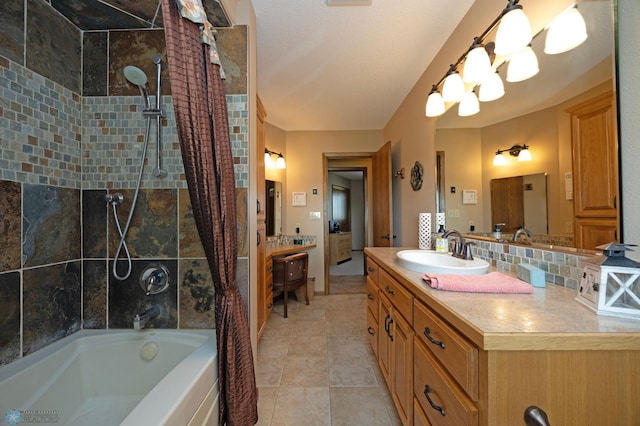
(114, 203)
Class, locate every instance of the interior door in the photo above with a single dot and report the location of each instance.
(381, 203)
(507, 203)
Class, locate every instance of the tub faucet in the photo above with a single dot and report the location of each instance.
(458, 250)
(522, 230)
(140, 320)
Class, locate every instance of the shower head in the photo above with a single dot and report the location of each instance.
(136, 76)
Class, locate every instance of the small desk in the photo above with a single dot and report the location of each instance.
(286, 249)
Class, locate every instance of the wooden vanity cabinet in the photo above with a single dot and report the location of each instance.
(373, 309)
(395, 344)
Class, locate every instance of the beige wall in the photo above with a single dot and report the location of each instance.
(304, 155)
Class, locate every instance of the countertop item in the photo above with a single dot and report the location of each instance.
(548, 319)
(287, 249)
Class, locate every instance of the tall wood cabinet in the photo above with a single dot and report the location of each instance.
(595, 171)
(261, 226)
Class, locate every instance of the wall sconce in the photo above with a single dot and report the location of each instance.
(520, 151)
(399, 174)
(268, 161)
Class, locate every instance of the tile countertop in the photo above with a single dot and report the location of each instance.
(287, 249)
(548, 319)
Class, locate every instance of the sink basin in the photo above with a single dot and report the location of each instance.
(440, 263)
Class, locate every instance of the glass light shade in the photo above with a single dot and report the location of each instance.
(268, 163)
(435, 105)
(280, 163)
(477, 65)
(452, 88)
(469, 105)
(525, 155)
(491, 88)
(514, 32)
(499, 160)
(522, 65)
(565, 32)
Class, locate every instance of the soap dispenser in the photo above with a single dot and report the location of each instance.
(497, 232)
(442, 244)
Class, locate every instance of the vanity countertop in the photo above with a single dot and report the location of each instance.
(548, 319)
(283, 249)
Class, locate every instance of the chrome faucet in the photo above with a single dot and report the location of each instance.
(140, 320)
(522, 230)
(458, 250)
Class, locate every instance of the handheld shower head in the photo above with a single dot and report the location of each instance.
(136, 76)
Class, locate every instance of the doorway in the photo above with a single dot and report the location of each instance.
(347, 229)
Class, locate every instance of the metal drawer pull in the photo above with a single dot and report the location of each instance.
(427, 390)
(391, 292)
(270, 305)
(386, 326)
(370, 296)
(389, 331)
(370, 269)
(427, 334)
(371, 331)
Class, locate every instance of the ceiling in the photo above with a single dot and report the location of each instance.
(326, 67)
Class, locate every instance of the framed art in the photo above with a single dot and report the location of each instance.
(299, 199)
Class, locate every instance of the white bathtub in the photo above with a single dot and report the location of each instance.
(117, 377)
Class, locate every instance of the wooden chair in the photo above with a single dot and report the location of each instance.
(290, 273)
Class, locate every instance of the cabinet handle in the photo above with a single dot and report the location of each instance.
(270, 286)
(370, 269)
(386, 326)
(258, 238)
(258, 206)
(371, 331)
(389, 331)
(427, 333)
(370, 296)
(427, 390)
(270, 305)
(388, 290)
(270, 268)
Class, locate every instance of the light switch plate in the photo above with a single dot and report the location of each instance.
(315, 215)
(469, 196)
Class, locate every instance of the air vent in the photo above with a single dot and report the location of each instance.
(349, 2)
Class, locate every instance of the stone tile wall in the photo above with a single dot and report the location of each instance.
(60, 153)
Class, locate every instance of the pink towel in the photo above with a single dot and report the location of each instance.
(493, 282)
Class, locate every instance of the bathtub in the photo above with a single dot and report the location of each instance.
(116, 377)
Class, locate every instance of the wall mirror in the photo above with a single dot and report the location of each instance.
(469, 143)
(273, 209)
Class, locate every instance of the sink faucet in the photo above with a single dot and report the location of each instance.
(458, 250)
(522, 230)
(140, 320)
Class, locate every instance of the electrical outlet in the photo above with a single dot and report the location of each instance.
(568, 227)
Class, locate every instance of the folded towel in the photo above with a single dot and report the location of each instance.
(493, 282)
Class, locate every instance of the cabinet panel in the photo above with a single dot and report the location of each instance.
(402, 367)
(384, 343)
(454, 352)
(399, 297)
(442, 400)
(419, 416)
(372, 270)
(372, 298)
(372, 332)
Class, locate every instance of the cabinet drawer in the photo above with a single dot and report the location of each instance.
(441, 399)
(372, 270)
(457, 355)
(399, 297)
(372, 332)
(372, 298)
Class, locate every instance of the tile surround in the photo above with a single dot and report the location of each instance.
(60, 153)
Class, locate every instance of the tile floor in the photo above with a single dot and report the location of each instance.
(317, 368)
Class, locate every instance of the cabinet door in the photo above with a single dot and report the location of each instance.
(402, 367)
(372, 332)
(384, 341)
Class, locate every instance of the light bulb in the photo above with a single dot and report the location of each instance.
(280, 163)
(525, 154)
(499, 160)
(514, 31)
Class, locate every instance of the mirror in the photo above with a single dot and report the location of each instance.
(526, 201)
(274, 207)
(532, 112)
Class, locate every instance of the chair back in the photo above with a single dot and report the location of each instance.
(292, 268)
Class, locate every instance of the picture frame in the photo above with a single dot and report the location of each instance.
(299, 199)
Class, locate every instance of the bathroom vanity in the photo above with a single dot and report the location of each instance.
(482, 359)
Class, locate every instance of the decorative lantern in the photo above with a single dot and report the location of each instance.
(610, 284)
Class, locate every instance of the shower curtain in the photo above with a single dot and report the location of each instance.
(202, 122)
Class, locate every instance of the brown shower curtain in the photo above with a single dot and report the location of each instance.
(201, 116)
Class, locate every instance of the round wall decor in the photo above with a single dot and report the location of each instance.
(417, 172)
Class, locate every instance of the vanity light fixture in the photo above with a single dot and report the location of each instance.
(477, 66)
(520, 151)
(514, 31)
(491, 88)
(435, 103)
(268, 161)
(469, 105)
(565, 32)
(522, 65)
(453, 86)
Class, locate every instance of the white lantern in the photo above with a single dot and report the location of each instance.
(610, 284)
